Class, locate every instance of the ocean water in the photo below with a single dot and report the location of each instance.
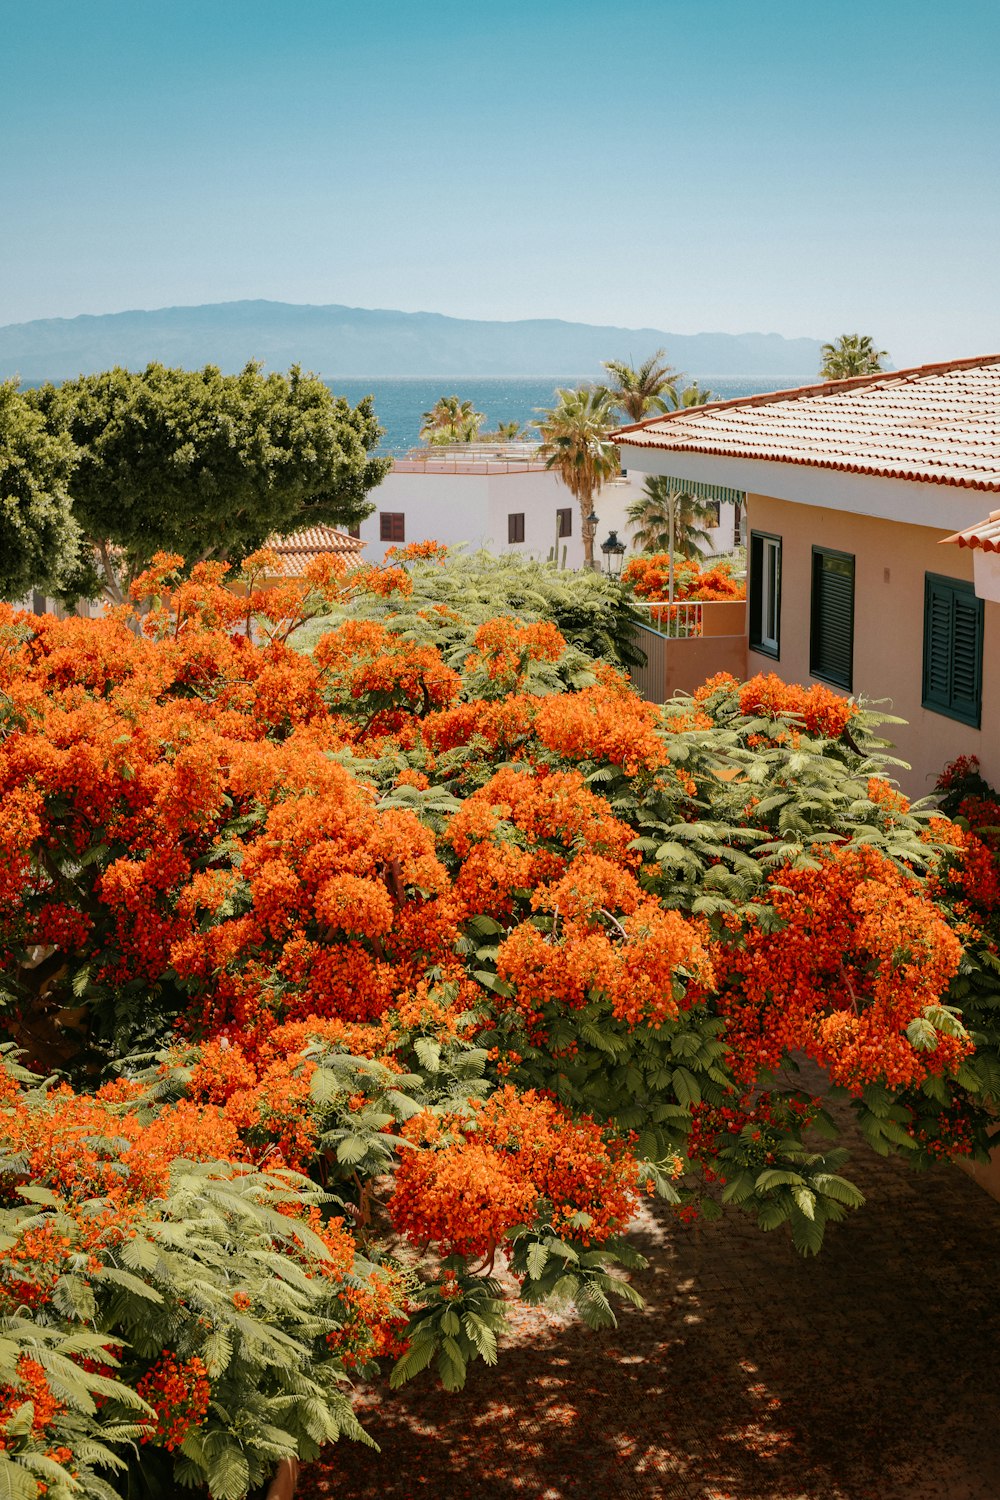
(400, 404)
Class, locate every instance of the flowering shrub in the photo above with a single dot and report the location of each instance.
(440, 927)
(818, 709)
(649, 577)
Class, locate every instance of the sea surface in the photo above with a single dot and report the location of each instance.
(400, 404)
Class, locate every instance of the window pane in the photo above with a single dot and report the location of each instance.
(765, 593)
(769, 611)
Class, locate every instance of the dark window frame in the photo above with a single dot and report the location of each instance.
(564, 521)
(960, 586)
(754, 602)
(818, 553)
(515, 524)
(388, 530)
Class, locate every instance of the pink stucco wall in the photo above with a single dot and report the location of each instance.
(891, 559)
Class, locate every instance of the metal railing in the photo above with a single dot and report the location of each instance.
(457, 458)
(681, 621)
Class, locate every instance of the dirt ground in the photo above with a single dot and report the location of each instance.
(870, 1373)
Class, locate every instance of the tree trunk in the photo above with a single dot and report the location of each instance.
(284, 1482)
(586, 505)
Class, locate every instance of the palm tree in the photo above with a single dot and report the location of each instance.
(649, 518)
(576, 443)
(691, 395)
(451, 421)
(637, 392)
(852, 354)
(505, 432)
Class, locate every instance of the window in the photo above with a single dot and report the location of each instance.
(564, 521)
(355, 532)
(831, 639)
(765, 593)
(391, 526)
(515, 527)
(953, 649)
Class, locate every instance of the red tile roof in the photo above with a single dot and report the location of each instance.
(300, 547)
(985, 534)
(939, 424)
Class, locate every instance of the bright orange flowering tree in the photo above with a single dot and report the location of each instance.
(649, 575)
(438, 929)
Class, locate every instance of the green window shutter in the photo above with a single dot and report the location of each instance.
(831, 645)
(953, 649)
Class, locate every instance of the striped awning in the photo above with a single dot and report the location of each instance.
(705, 491)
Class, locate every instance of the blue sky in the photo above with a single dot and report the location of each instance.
(773, 165)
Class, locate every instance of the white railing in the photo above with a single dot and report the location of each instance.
(476, 463)
(676, 621)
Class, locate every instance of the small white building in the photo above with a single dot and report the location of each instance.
(499, 498)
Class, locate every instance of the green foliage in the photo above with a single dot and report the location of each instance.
(851, 354)
(576, 443)
(38, 536)
(204, 464)
(644, 390)
(456, 1320)
(592, 611)
(225, 1268)
(451, 420)
(649, 517)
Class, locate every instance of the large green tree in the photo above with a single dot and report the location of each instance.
(204, 464)
(852, 354)
(576, 442)
(39, 538)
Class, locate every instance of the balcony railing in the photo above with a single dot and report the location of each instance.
(679, 621)
(690, 642)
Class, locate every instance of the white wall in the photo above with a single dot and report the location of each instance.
(471, 508)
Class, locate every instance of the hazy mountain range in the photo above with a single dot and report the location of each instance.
(357, 342)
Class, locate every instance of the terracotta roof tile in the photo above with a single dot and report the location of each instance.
(300, 547)
(985, 534)
(939, 424)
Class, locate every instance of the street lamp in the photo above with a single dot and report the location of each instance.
(614, 551)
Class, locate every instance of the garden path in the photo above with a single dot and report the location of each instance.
(870, 1373)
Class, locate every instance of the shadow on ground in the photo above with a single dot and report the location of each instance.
(870, 1373)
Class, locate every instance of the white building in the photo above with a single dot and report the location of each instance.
(500, 498)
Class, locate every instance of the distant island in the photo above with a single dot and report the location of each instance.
(362, 343)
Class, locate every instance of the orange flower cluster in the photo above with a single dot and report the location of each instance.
(860, 954)
(598, 726)
(382, 581)
(505, 648)
(513, 1160)
(32, 1385)
(426, 551)
(504, 725)
(362, 659)
(650, 578)
(179, 1393)
(970, 879)
(821, 711)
